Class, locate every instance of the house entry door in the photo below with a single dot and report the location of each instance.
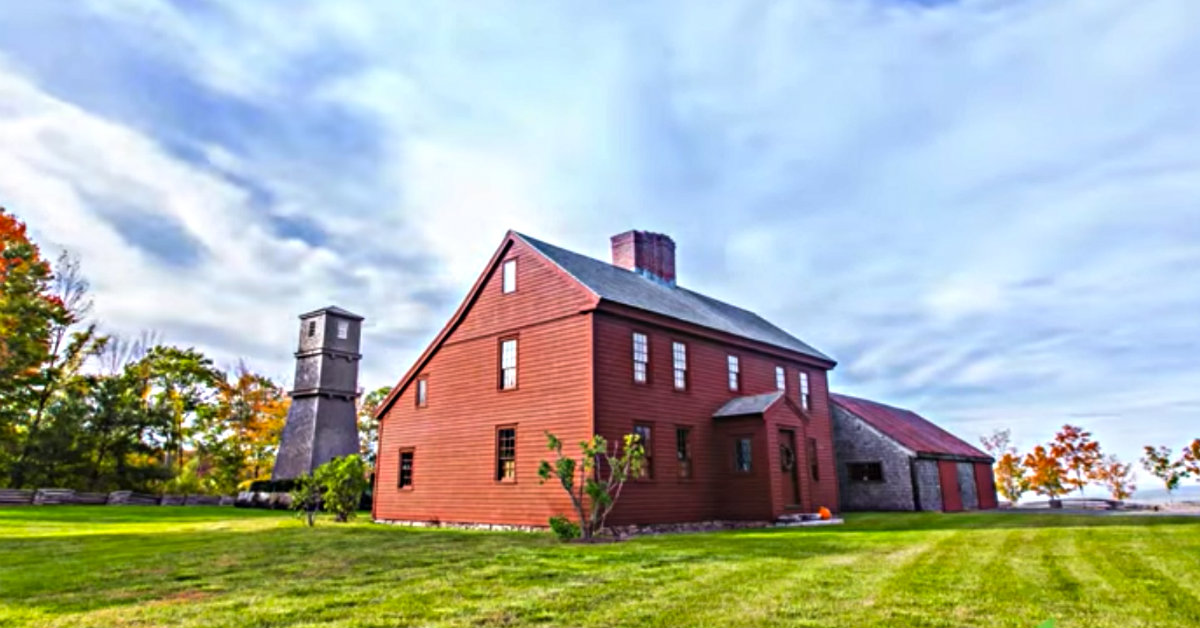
(788, 467)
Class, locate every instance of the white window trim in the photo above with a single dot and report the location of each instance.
(780, 378)
(679, 364)
(642, 358)
(734, 365)
(805, 395)
(505, 365)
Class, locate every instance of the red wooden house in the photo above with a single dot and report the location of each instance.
(735, 411)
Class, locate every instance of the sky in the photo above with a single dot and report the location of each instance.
(986, 211)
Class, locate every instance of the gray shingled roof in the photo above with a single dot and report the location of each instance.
(622, 286)
(752, 404)
(333, 309)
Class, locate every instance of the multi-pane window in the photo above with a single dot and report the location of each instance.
(312, 328)
(343, 330)
(780, 378)
(645, 437)
(406, 469)
(679, 363)
(805, 398)
(683, 451)
(508, 363)
(741, 455)
(865, 471)
(422, 392)
(510, 276)
(735, 375)
(641, 357)
(814, 468)
(506, 454)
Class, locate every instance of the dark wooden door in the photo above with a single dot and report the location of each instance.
(948, 476)
(788, 466)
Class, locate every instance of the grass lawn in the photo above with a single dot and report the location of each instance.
(173, 566)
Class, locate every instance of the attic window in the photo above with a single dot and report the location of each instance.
(780, 378)
(510, 276)
(343, 330)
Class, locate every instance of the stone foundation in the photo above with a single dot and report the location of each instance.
(618, 532)
(455, 525)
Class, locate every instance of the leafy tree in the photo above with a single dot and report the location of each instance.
(342, 481)
(183, 385)
(1046, 474)
(997, 443)
(1117, 477)
(1010, 474)
(1158, 462)
(1079, 453)
(29, 312)
(602, 474)
(368, 427)
(1191, 459)
(306, 498)
(1011, 480)
(68, 351)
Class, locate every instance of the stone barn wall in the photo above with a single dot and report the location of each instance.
(929, 487)
(855, 441)
(966, 486)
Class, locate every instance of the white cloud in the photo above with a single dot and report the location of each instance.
(985, 209)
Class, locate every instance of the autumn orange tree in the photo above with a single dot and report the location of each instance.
(1046, 474)
(1010, 477)
(1116, 476)
(1191, 459)
(29, 312)
(1079, 454)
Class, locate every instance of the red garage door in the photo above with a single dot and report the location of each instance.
(948, 475)
(985, 486)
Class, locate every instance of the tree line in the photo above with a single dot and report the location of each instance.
(98, 412)
(1073, 459)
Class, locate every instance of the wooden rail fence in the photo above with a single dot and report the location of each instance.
(64, 496)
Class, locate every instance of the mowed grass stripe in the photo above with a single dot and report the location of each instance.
(211, 567)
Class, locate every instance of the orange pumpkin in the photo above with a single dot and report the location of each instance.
(824, 513)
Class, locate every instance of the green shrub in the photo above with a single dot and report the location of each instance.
(564, 528)
(343, 480)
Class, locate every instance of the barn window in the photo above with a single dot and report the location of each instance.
(641, 357)
(865, 471)
(312, 328)
(405, 477)
(510, 276)
(506, 454)
(814, 468)
(508, 363)
(343, 330)
(683, 451)
(422, 392)
(741, 455)
(805, 398)
(735, 374)
(780, 378)
(679, 362)
(645, 435)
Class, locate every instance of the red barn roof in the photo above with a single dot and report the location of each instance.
(908, 428)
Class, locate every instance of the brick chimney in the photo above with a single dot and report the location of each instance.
(650, 255)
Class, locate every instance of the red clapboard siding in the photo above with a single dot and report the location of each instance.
(454, 436)
(714, 491)
(985, 486)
